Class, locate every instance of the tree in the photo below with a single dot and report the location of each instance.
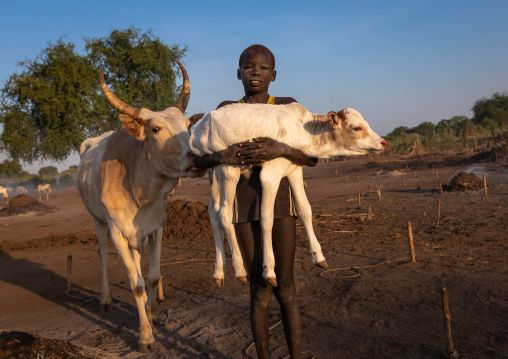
(425, 129)
(139, 67)
(495, 108)
(398, 131)
(10, 168)
(48, 171)
(55, 102)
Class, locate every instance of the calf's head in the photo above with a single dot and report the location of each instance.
(165, 134)
(353, 133)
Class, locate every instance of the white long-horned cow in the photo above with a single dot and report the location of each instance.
(44, 188)
(342, 133)
(123, 179)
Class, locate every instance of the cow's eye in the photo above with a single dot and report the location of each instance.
(357, 128)
(155, 130)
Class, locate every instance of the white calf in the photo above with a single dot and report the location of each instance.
(342, 133)
(44, 188)
(3, 191)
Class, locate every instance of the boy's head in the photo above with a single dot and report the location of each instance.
(256, 69)
(256, 47)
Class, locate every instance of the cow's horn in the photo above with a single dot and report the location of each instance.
(183, 100)
(114, 101)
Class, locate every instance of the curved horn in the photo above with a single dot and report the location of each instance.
(114, 101)
(183, 100)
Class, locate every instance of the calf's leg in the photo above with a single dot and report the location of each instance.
(305, 212)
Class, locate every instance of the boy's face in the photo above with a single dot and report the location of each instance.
(256, 72)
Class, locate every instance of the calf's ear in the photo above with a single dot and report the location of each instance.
(334, 119)
(134, 127)
(195, 118)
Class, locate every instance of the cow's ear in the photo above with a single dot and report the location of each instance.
(333, 117)
(195, 118)
(133, 126)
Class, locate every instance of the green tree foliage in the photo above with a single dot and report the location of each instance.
(139, 67)
(495, 108)
(10, 168)
(55, 103)
(48, 171)
(44, 107)
(425, 129)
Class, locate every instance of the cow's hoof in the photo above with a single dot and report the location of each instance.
(243, 280)
(272, 282)
(106, 307)
(219, 282)
(323, 264)
(147, 347)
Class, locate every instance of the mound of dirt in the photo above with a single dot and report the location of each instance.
(464, 182)
(25, 345)
(23, 204)
(21, 201)
(187, 221)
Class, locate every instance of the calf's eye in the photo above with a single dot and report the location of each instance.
(155, 130)
(357, 128)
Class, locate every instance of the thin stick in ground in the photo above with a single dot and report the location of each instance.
(450, 352)
(410, 240)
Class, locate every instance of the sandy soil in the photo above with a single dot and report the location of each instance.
(386, 307)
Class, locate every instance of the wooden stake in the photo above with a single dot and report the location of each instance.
(403, 180)
(440, 187)
(379, 193)
(485, 184)
(438, 212)
(411, 246)
(359, 200)
(69, 272)
(437, 173)
(447, 324)
(369, 214)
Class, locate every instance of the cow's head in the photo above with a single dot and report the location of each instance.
(354, 133)
(165, 133)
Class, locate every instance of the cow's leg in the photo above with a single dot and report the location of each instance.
(102, 236)
(154, 275)
(305, 212)
(220, 253)
(136, 257)
(227, 178)
(270, 176)
(146, 342)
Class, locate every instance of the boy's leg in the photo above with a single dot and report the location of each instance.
(284, 245)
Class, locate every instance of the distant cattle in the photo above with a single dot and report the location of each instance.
(123, 179)
(3, 191)
(21, 190)
(44, 188)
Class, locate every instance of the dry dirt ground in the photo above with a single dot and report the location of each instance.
(384, 307)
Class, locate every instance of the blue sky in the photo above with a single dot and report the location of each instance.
(397, 62)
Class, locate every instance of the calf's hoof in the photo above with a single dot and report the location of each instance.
(272, 281)
(219, 282)
(323, 264)
(243, 280)
(147, 347)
